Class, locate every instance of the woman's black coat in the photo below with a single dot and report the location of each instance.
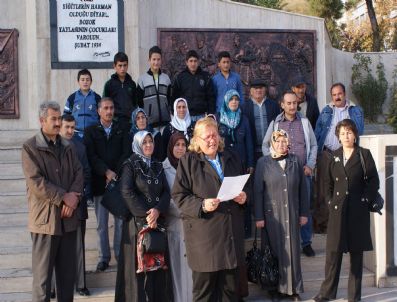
(346, 193)
(142, 188)
(214, 240)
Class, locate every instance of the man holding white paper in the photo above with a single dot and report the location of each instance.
(214, 230)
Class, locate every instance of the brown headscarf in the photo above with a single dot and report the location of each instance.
(171, 144)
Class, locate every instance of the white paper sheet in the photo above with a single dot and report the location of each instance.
(232, 186)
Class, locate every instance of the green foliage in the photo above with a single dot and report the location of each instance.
(327, 9)
(370, 92)
(392, 116)
(350, 4)
(275, 4)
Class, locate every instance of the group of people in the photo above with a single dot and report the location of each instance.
(169, 147)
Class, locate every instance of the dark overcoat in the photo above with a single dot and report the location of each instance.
(214, 240)
(142, 188)
(280, 199)
(346, 193)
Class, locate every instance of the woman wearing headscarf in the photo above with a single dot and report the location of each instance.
(139, 121)
(180, 122)
(180, 271)
(235, 130)
(214, 233)
(281, 206)
(145, 191)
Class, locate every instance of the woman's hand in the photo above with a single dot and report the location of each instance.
(210, 204)
(260, 224)
(241, 198)
(151, 218)
(302, 220)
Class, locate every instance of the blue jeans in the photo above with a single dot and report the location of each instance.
(307, 229)
(102, 216)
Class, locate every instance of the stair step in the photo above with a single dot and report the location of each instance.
(10, 154)
(11, 170)
(15, 138)
(17, 184)
(13, 203)
(105, 294)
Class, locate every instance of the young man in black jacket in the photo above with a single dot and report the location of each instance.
(107, 146)
(194, 85)
(121, 89)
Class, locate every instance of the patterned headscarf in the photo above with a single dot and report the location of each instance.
(138, 142)
(134, 128)
(275, 135)
(229, 118)
(170, 149)
(181, 124)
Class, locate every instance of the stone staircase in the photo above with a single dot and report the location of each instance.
(15, 243)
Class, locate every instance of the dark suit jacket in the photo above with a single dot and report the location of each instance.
(105, 153)
(214, 240)
(346, 191)
(272, 110)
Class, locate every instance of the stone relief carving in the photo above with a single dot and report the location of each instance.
(9, 102)
(275, 55)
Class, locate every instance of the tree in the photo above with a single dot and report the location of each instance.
(376, 42)
(330, 10)
(275, 4)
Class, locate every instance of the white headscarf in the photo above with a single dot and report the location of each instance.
(181, 124)
(138, 142)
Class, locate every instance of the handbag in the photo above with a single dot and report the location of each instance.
(113, 201)
(262, 265)
(154, 241)
(375, 205)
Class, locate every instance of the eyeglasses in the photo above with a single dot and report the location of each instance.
(209, 137)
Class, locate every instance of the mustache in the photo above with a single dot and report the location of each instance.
(338, 100)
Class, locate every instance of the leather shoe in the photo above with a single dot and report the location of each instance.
(308, 251)
(102, 266)
(53, 295)
(295, 297)
(83, 291)
(320, 298)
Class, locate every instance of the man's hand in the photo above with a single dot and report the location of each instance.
(260, 224)
(66, 212)
(210, 204)
(303, 220)
(110, 175)
(307, 171)
(71, 199)
(250, 170)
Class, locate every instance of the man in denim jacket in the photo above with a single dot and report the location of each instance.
(327, 142)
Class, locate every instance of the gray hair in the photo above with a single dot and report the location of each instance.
(105, 99)
(44, 106)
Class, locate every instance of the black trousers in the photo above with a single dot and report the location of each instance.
(50, 251)
(219, 286)
(333, 263)
(80, 254)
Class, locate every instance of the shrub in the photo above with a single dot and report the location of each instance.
(370, 92)
(392, 116)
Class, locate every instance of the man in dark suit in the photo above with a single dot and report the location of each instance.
(108, 145)
(67, 131)
(258, 115)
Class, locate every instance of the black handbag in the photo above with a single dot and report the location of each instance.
(155, 241)
(262, 265)
(375, 205)
(113, 201)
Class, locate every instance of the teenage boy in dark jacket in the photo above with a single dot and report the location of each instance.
(153, 91)
(194, 85)
(121, 89)
(107, 146)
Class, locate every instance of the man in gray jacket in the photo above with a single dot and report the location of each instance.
(54, 181)
(302, 143)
